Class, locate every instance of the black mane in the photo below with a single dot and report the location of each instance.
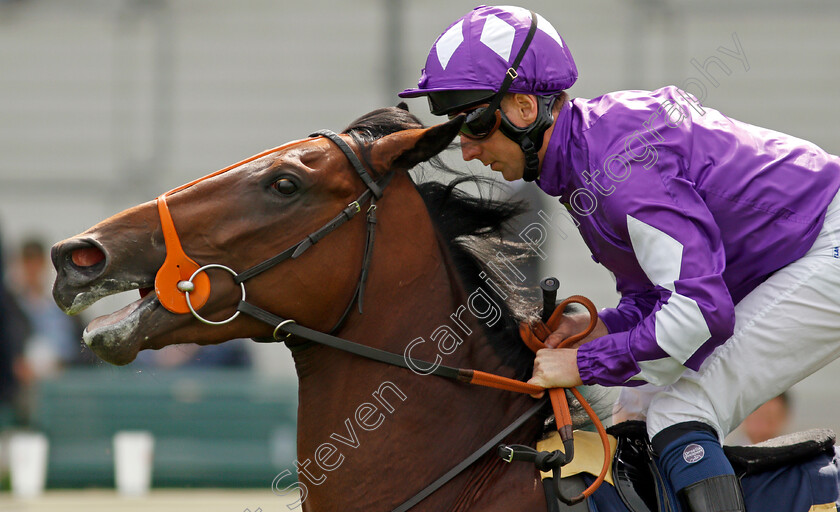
(473, 228)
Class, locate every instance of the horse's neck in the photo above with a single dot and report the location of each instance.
(376, 434)
(395, 431)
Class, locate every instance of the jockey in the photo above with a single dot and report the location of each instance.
(723, 236)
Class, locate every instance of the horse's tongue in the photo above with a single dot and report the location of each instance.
(116, 320)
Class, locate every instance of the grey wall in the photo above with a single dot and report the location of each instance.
(104, 104)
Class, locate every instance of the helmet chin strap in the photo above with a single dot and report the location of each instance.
(530, 138)
(532, 160)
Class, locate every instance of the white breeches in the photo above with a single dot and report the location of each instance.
(785, 329)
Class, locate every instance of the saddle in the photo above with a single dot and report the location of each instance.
(637, 480)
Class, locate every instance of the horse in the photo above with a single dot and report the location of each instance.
(280, 232)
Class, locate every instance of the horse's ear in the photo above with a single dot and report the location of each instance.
(403, 150)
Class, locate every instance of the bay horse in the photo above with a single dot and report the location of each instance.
(370, 435)
(426, 288)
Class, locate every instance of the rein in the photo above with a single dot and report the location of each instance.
(182, 286)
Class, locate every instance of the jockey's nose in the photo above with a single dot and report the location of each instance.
(470, 149)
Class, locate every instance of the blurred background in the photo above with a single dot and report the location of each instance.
(106, 104)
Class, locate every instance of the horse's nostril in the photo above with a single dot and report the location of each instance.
(86, 257)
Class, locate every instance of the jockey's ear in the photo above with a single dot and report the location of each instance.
(403, 150)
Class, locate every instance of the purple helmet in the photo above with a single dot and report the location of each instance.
(474, 54)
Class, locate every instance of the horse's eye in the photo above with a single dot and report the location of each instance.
(285, 186)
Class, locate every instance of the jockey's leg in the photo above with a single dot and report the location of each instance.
(785, 329)
(633, 403)
(693, 459)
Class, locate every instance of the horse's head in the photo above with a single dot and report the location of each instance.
(239, 218)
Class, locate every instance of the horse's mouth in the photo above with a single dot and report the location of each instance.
(116, 337)
(86, 273)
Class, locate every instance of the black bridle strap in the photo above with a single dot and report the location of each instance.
(351, 155)
(371, 236)
(350, 211)
(374, 354)
(474, 456)
(359, 293)
(296, 250)
(345, 215)
(267, 264)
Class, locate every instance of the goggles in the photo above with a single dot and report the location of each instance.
(481, 122)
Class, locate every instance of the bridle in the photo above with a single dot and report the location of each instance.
(182, 286)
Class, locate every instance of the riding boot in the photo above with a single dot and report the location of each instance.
(716, 494)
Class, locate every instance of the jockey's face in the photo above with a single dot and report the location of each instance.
(499, 152)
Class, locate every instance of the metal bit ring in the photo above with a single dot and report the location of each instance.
(189, 304)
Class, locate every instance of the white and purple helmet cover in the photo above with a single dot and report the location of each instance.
(476, 51)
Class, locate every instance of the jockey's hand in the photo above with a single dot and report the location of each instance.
(555, 368)
(572, 324)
